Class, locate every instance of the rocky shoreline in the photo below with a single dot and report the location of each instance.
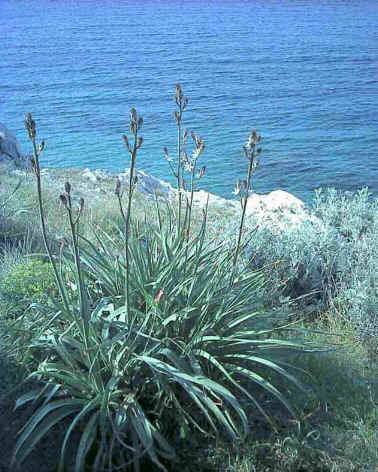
(278, 209)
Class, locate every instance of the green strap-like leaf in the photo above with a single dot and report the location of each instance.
(143, 429)
(40, 423)
(33, 395)
(204, 382)
(229, 377)
(87, 438)
(87, 408)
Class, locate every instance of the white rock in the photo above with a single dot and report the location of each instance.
(93, 175)
(200, 198)
(280, 210)
(281, 200)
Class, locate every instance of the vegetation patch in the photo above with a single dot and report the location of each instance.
(148, 339)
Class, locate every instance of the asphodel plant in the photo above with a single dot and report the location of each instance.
(165, 344)
(73, 218)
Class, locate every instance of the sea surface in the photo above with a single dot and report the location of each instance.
(304, 73)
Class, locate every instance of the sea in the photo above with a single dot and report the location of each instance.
(303, 73)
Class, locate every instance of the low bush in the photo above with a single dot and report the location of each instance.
(325, 263)
(355, 216)
(29, 281)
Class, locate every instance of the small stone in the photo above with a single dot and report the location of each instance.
(10, 153)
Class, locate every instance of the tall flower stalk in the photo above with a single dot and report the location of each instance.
(185, 163)
(66, 200)
(243, 187)
(135, 125)
(37, 151)
(191, 167)
(181, 102)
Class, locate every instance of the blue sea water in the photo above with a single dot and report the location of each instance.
(304, 73)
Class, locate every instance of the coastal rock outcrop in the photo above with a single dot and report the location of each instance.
(10, 153)
(278, 209)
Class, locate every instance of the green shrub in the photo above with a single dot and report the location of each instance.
(355, 216)
(25, 285)
(331, 261)
(29, 281)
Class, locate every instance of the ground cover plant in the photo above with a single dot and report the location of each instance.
(159, 335)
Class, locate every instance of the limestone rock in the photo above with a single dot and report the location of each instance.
(96, 176)
(281, 200)
(200, 198)
(280, 210)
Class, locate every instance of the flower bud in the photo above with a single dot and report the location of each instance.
(133, 127)
(117, 190)
(67, 188)
(178, 95)
(169, 159)
(126, 142)
(201, 172)
(30, 126)
(200, 145)
(237, 188)
(133, 115)
(63, 200)
(81, 205)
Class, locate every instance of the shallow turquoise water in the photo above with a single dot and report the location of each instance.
(304, 73)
